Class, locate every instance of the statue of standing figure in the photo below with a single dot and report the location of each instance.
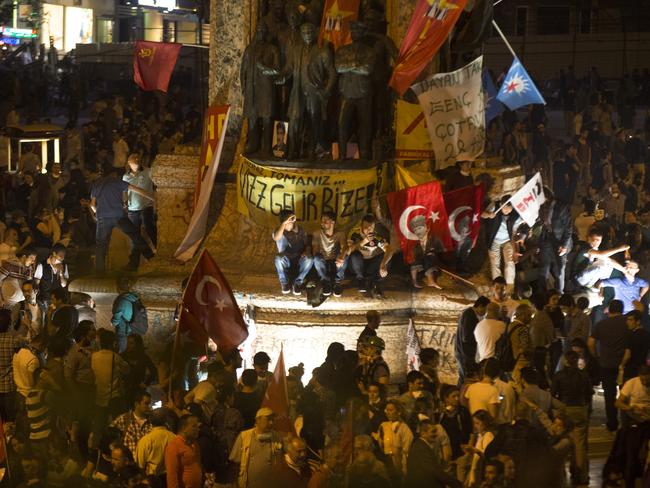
(355, 64)
(314, 77)
(261, 59)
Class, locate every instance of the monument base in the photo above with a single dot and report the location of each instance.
(245, 253)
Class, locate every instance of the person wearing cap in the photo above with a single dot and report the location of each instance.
(261, 362)
(256, 451)
(373, 367)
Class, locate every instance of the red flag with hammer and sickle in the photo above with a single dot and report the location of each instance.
(153, 63)
(209, 308)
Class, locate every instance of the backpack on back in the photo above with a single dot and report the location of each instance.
(139, 320)
(503, 348)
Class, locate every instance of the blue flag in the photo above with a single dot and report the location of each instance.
(518, 88)
(493, 108)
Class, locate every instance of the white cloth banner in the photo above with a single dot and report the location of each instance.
(198, 223)
(528, 200)
(412, 348)
(453, 104)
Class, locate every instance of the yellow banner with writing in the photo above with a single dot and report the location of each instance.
(263, 192)
(412, 138)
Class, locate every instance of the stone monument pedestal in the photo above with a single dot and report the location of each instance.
(244, 251)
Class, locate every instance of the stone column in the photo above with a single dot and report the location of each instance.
(175, 177)
(231, 27)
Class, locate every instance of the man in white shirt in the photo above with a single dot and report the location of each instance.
(634, 398)
(488, 331)
(484, 395)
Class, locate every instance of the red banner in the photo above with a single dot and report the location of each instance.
(153, 63)
(464, 214)
(209, 308)
(213, 121)
(335, 26)
(430, 25)
(415, 207)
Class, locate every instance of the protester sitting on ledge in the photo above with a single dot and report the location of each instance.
(425, 253)
(330, 257)
(369, 255)
(294, 253)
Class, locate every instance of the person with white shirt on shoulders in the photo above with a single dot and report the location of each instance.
(483, 395)
(488, 331)
(501, 297)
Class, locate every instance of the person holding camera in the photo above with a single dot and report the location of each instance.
(294, 253)
(369, 255)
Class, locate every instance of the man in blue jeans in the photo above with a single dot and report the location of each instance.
(330, 256)
(108, 202)
(294, 253)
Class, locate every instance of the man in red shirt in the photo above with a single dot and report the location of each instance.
(182, 456)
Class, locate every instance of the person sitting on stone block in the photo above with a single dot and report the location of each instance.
(330, 257)
(294, 253)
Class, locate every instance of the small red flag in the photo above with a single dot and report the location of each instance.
(464, 211)
(276, 397)
(430, 25)
(335, 26)
(210, 309)
(423, 203)
(153, 63)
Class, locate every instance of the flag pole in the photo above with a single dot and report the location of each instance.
(177, 335)
(458, 278)
(503, 37)
(174, 347)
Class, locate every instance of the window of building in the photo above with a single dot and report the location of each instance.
(105, 30)
(169, 31)
(553, 20)
(521, 21)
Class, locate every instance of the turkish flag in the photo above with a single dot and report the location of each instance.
(209, 309)
(424, 203)
(276, 397)
(430, 25)
(335, 26)
(153, 63)
(464, 213)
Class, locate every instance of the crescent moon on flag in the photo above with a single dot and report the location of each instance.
(452, 222)
(403, 222)
(199, 288)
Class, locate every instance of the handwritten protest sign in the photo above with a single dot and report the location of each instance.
(454, 108)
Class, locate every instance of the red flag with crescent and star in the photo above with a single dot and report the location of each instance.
(335, 26)
(153, 63)
(464, 213)
(430, 25)
(209, 309)
(415, 207)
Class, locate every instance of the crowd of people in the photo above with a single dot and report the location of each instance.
(567, 313)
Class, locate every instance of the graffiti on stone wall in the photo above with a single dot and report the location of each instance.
(442, 339)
